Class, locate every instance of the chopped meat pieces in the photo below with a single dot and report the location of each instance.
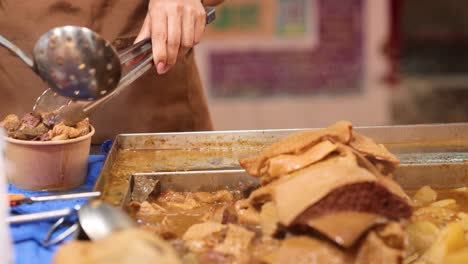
(214, 257)
(50, 119)
(30, 120)
(204, 236)
(200, 231)
(63, 132)
(306, 250)
(42, 127)
(229, 216)
(237, 241)
(11, 123)
(45, 137)
(382, 246)
(219, 196)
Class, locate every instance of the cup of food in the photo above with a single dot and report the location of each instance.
(43, 154)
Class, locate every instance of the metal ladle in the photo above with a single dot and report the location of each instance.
(96, 220)
(74, 61)
(99, 219)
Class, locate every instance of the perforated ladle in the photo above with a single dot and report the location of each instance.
(80, 66)
(74, 61)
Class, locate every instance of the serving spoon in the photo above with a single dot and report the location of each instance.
(96, 220)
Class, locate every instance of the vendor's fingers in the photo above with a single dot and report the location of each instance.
(145, 31)
(174, 34)
(159, 38)
(200, 23)
(188, 27)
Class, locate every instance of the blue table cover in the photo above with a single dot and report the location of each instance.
(28, 238)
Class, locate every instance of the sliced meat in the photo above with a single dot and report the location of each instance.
(334, 185)
(367, 197)
(375, 152)
(345, 227)
(287, 163)
(298, 143)
(308, 186)
(333, 181)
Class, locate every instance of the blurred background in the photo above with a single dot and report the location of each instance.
(308, 63)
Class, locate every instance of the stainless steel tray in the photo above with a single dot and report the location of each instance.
(435, 155)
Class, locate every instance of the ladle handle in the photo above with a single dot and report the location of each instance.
(17, 51)
(139, 54)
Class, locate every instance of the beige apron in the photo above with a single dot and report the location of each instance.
(169, 103)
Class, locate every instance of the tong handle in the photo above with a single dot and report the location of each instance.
(135, 51)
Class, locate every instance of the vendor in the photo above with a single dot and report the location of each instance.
(167, 99)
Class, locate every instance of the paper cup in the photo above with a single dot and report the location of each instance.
(48, 165)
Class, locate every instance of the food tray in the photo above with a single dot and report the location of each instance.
(435, 155)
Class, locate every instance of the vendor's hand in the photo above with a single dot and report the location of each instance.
(174, 26)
